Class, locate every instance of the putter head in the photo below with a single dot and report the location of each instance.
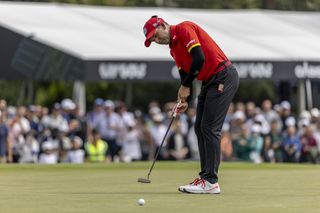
(144, 180)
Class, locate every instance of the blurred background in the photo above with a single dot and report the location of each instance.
(75, 76)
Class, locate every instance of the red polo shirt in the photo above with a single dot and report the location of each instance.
(188, 35)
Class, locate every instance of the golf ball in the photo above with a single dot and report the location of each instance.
(141, 202)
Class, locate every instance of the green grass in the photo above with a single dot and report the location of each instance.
(113, 188)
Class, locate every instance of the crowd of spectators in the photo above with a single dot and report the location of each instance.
(111, 133)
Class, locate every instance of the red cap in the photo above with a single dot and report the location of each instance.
(150, 27)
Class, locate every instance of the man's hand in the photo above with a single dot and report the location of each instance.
(179, 108)
(183, 93)
(182, 107)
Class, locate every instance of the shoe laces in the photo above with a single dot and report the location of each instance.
(201, 182)
(195, 181)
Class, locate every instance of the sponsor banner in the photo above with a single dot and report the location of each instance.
(158, 71)
(306, 70)
(278, 70)
(123, 71)
(254, 70)
(167, 71)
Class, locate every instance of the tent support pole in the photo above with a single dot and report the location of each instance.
(302, 95)
(79, 96)
(309, 94)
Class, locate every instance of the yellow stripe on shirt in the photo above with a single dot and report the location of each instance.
(190, 48)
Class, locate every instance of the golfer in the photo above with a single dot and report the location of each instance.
(197, 55)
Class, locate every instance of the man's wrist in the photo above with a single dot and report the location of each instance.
(186, 84)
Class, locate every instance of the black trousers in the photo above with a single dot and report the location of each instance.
(213, 103)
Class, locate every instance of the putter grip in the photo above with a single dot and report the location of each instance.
(175, 109)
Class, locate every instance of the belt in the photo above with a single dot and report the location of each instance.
(222, 66)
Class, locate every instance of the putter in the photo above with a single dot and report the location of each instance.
(174, 114)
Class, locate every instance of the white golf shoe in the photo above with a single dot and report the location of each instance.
(203, 187)
(194, 182)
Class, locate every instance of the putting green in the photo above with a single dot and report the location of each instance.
(114, 188)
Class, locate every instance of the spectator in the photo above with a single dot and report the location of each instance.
(64, 144)
(126, 117)
(96, 116)
(34, 119)
(51, 140)
(78, 125)
(291, 145)
(76, 154)
(230, 112)
(191, 117)
(177, 143)
(131, 148)
(260, 120)
(18, 128)
(269, 114)
(29, 149)
(4, 132)
(226, 143)
(251, 110)
(56, 120)
(68, 109)
(302, 125)
(255, 142)
(158, 131)
(3, 109)
(193, 144)
(272, 144)
(241, 146)
(285, 113)
(309, 149)
(154, 109)
(44, 117)
(191, 134)
(75, 128)
(145, 138)
(126, 121)
(315, 115)
(237, 124)
(109, 128)
(240, 106)
(96, 148)
(317, 135)
(48, 155)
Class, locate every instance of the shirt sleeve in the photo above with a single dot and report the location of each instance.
(188, 37)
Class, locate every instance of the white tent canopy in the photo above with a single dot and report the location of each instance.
(112, 33)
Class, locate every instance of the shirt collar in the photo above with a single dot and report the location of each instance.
(173, 31)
